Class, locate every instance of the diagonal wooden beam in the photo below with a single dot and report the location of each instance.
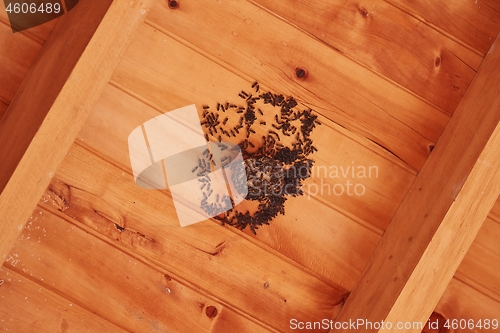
(439, 217)
(54, 101)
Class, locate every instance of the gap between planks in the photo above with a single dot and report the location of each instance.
(240, 244)
(237, 232)
(495, 219)
(50, 287)
(371, 228)
(461, 302)
(57, 293)
(363, 141)
(119, 21)
(149, 71)
(241, 74)
(368, 143)
(153, 264)
(359, 63)
(66, 309)
(19, 52)
(415, 142)
(196, 49)
(483, 248)
(438, 29)
(452, 218)
(492, 8)
(477, 288)
(326, 203)
(125, 88)
(51, 245)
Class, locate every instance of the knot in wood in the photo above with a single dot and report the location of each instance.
(300, 73)
(211, 312)
(172, 4)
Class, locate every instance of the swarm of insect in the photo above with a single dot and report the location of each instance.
(274, 135)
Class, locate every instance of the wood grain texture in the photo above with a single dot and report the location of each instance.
(54, 101)
(460, 301)
(495, 212)
(492, 4)
(17, 54)
(3, 107)
(479, 268)
(115, 286)
(218, 260)
(441, 214)
(390, 42)
(165, 88)
(259, 45)
(474, 23)
(107, 129)
(336, 230)
(26, 306)
(310, 257)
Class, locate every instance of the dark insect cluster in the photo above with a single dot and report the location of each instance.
(203, 170)
(274, 135)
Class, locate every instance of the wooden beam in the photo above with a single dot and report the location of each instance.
(439, 217)
(54, 101)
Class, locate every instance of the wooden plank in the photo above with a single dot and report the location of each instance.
(17, 54)
(390, 42)
(479, 268)
(115, 286)
(3, 107)
(221, 261)
(495, 212)
(350, 243)
(461, 302)
(26, 306)
(169, 87)
(494, 5)
(259, 45)
(54, 101)
(474, 23)
(441, 214)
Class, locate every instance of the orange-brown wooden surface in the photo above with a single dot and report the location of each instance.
(473, 23)
(127, 292)
(44, 82)
(463, 305)
(3, 107)
(480, 266)
(17, 53)
(384, 78)
(39, 33)
(28, 306)
(474, 293)
(54, 101)
(383, 38)
(149, 81)
(336, 86)
(218, 260)
(440, 216)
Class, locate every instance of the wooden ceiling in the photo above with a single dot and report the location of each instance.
(409, 87)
